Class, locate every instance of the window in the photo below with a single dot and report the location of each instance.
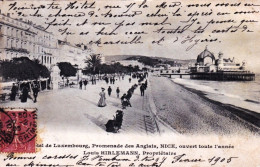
(8, 43)
(7, 31)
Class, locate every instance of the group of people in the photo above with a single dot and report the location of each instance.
(25, 88)
(125, 99)
(109, 91)
(81, 83)
(111, 80)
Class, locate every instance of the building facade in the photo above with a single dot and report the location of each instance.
(22, 38)
(75, 54)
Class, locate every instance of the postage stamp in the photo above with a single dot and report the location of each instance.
(18, 130)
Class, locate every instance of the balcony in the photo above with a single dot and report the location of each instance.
(20, 50)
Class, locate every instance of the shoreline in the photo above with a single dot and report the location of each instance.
(250, 117)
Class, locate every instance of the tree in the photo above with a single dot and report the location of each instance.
(23, 68)
(94, 61)
(66, 69)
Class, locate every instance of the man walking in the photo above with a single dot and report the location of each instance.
(13, 92)
(85, 82)
(35, 90)
(142, 89)
(80, 84)
(109, 90)
(117, 92)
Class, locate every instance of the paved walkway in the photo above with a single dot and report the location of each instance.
(71, 110)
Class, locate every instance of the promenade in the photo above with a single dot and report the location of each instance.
(75, 111)
(166, 108)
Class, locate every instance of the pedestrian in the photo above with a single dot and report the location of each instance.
(145, 85)
(35, 90)
(25, 92)
(109, 90)
(117, 92)
(102, 100)
(67, 84)
(113, 80)
(130, 80)
(106, 79)
(85, 82)
(13, 92)
(80, 84)
(95, 80)
(142, 90)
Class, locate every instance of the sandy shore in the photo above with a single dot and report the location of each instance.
(188, 111)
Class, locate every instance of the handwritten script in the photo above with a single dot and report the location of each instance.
(114, 160)
(106, 23)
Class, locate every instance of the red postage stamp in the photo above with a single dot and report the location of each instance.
(18, 130)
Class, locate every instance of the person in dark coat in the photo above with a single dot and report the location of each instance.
(119, 118)
(106, 79)
(35, 90)
(113, 80)
(85, 82)
(142, 89)
(80, 84)
(145, 85)
(109, 90)
(13, 92)
(25, 92)
(117, 92)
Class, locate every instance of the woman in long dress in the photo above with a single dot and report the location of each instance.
(102, 100)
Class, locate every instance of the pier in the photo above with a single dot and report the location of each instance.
(216, 76)
(170, 74)
(224, 76)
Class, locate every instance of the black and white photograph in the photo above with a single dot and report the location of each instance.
(129, 83)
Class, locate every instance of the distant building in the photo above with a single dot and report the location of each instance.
(209, 68)
(132, 63)
(206, 62)
(74, 54)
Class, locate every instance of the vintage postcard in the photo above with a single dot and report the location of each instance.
(129, 83)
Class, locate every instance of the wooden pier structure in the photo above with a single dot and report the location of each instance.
(223, 76)
(170, 74)
(217, 76)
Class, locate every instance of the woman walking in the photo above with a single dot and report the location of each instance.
(102, 100)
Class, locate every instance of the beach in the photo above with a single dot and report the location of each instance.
(189, 111)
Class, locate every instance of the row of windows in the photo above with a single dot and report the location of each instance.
(10, 43)
(45, 39)
(46, 60)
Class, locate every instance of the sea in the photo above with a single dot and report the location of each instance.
(243, 94)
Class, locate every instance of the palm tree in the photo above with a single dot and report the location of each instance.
(94, 61)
